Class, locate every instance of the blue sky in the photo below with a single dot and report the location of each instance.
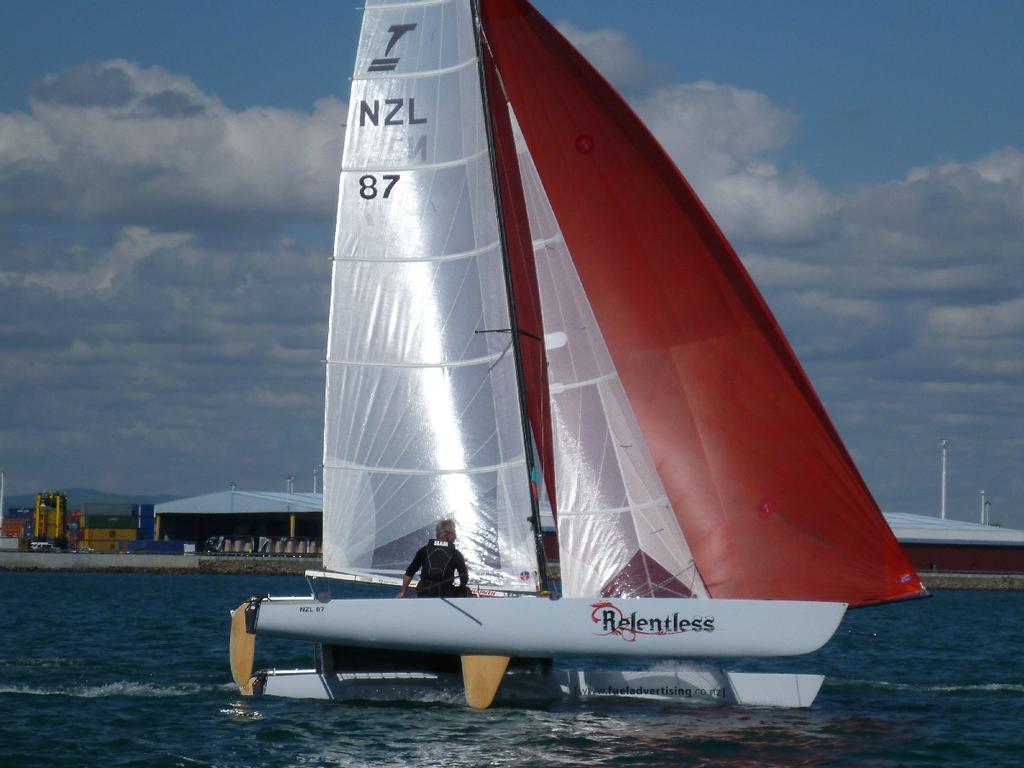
(878, 86)
(162, 290)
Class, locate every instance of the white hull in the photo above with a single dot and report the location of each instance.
(689, 683)
(531, 627)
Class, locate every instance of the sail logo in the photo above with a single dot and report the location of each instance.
(396, 112)
(613, 621)
(386, 63)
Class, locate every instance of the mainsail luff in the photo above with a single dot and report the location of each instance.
(765, 492)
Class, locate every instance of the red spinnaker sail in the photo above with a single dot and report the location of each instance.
(765, 492)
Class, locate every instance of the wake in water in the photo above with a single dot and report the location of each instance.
(141, 697)
(120, 688)
(886, 685)
(240, 711)
(36, 662)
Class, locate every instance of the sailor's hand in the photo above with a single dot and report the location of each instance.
(401, 593)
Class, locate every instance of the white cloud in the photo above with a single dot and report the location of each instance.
(722, 139)
(951, 215)
(120, 142)
(170, 356)
(771, 208)
(859, 310)
(112, 267)
(1005, 165)
(905, 300)
(986, 320)
(615, 56)
(21, 140)
(716, 128)
(768, 270)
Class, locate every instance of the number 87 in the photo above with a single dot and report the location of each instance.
(368, 185)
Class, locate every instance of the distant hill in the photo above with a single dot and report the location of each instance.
(79, 496)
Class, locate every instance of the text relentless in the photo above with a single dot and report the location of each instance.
(613, 621)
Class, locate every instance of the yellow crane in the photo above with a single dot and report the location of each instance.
(48, 521)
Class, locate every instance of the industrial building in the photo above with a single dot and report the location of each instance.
(933, 544)
(241, 522)
(248, 521)
(291, 524)
(263, 522)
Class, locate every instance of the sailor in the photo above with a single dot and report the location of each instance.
(439, 561)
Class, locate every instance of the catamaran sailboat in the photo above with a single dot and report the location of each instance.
(531, 307)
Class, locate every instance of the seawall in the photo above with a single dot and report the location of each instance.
(143, 563)
(1004, 582)
(297, 566)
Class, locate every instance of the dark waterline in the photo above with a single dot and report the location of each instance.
(131, 670)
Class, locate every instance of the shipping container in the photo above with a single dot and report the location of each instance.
(103, 546)
(102, 508)
(14, 528)
(18, 513)
(109, 521)
(90, 535)
(144, 511)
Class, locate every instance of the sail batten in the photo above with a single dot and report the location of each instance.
(629, 509)
(425, 73)
(559, 388)
(436, 166)
(541, 245)
(447, 257)
(406, 4)
(492, 358)
(433, 471)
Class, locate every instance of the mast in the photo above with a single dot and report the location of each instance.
(514, 329)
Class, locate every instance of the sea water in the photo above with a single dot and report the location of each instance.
(111, 670)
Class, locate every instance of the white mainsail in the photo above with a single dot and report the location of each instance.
(422, 417)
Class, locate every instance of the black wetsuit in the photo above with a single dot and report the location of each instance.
(439, 561)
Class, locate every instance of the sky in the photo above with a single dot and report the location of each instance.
(168, 179)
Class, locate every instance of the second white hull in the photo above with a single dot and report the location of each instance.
(688, 683)
(571, 627)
